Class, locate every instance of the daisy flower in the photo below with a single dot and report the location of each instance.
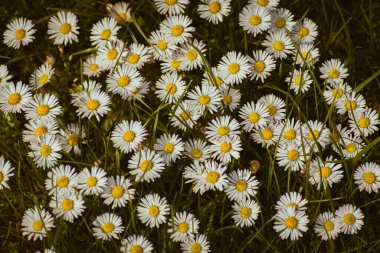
(93, 103)
(36, 222)
(152, 210)
(137, 56)
(139, 93)
(234, 67)
(170, 147)
(335, 94)
(14, 98)
(226, 150)
(351, 103)
(349, 218)
(326, 226)
(194, 174)
(61, 179)
(275, 106)
(205, 98)
(41, 76)
(214, 79)
(185, 115)
(146, 165)
(72, 138)
(213, 175)
(231, 98)
(118, 191)
(222, 128)
(337, 135)
(111, 54)
(171, 7)
(198, 244)
(351, 146)
(307, 54)
(214, 10)
(103, 31)
(43, 108)
(136, 243)
(87, 86)
(282, 19)
(91, 67)
(45, 152)
(4, 76)
(197, 150)
(245, 213)
(92, 182)
(255, 19)
(35, 131)
(170, 87)
(291, 156)
(264, 135)
(367, 177)
(253, 116)
(333, 71)
(162, 48)
(288, 132)
(315, 132)
(325, 173)
(19, 32)
(299, 81)
(278, 44)
(177, 28)
(183, 227)
(262, 63)
(128, 135)
(291, 199)
(63, 28)
(171, 64)
(6, 172)
(305, 31)
(120, 11)
(68, 205)
(242, 185)
(365, 123)
(291, 223)
(107, 226)
(268, 4)
(189, 55)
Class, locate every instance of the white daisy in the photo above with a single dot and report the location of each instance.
(36, 222)
(162, 48)
(282, 19)
(171, 7)
(171, 64)
(351, 103)
(14, 98)
(4, 76)
(128, 135)
(189, 55)
(291, 199)
(278, 44)
(19, 32)
(269, 4)
(6, 172)
(365, 123)
(205, 98)
(170, 147)
(185, 115)
(349, 218)
(222, 128)
(333, 71)
(351, 146)
(253, 116)
(305, 31)
(199, 244)
(61, 179)
(152, 210)
(315, 133)
(67, 204)
(93, 103)
(37, 130)
(45, 152)
(291, 223)
(324, 174)
(63, 28)
(103, 31)
(170, 87)
(72, 137)
(177, 28)
(233, 68)
(214, 79)
(43, 108)
(214, 10)
(118, 191)
(120, 11)
(41, 76)
(367, 177)
(288, 132)
(335, 94)
(107, 226)
(92, 182)
(137, 56)
(197, 150)
(306, 54)
(213, 175)
(183, 227)
(255, 19)
(91, 67)
(111, 54)
(299, 81)
(146, 165)
(124, 80)
(226, 150)
(275, 106)
(136, 244)
(264, 135)
(326, 226)
(262, 63)
(291, 156)
(339, 133)
(242, 185)
(245, 213)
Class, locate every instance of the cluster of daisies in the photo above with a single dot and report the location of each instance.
(205, 108)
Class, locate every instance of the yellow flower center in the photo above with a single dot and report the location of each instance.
(255, 20)
(291, 222)
(313, 134)
(351, 105)
(94, 67)
(195, 248)
(168, 148)
(93, 104)
(214, 7)
(233, 68)
(272, 110)
(117, 192)
(334, 137)
(67, 204)
(43, 79)
(349, 219)
(123, 81)
(337, 93)
(20, 34)
(293, 204)
(162, 45)
(306, 55)
(253, 117)
(183, 227)
(41, 130)
(91, 181)
(290, 134)
(65, 28)
(146, 165)
(267, 134)
(278, 45)
(175, 64)
(218, 81)
(105, 34)
(122, 17)
(333, 73)
(14, 98)
(351, 148)
(293, 155)
(62, 181)
(303, 32)
(280, 23)
(191, 55)
(196, 153)
(245, 212)
(223, 130)
(185, 115)
(112, 54)
(299, 81)
(171, 88)
(108, 227)
(227, 99)
(177, 30)
(45, 150)
(133, 58)
(136, 249)
(212, 177)
(42, 110)
(204, 100)
(259, 66)
(369, 177)
(129, 136)
(364, 122)
(241, 185)
(38, 225)
(171, 2)
(262, 2)
(154, 211)
(1, 176)
(325, 172)
(328, 226)
(225, 147)
(73, 139)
